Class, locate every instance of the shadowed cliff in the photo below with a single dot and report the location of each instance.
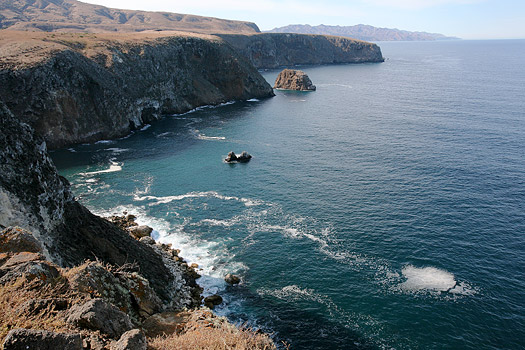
(272, 50)
(74, 88)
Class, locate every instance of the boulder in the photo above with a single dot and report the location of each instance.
(165, 323)
(23, 339)
(43, 270)
(131, 340)
(140, 231)
(16, 240)
(293, 79)
(212, 300)
(232, 279)
(35, 306)
(97, 314)
(147, 240)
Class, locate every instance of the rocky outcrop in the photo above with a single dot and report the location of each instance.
(293, 79)
(244, 157)
(272, 50)
(76, 88)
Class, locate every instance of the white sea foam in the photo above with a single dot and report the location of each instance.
(253, 100)
(112, 168)
(210, 138)
(145, 127)
(431, 279)
(208, 194)
(116, 150)
(72, 150)
(104, 142)
(164, 134)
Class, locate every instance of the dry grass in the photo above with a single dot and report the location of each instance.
(13, 295)
(223, 338)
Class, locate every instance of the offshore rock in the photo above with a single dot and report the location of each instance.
(292, 79)
(273, 50)
(244, 157)
(232, 279)
(23, 339)
(76, 88)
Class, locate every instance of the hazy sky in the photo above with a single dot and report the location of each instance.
(468, 19)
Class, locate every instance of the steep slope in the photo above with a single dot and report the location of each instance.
(34, 197)
(272, 50)
(76, 16)
(361, 32)
(75, 88)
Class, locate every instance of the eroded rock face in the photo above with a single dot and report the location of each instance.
(293, 79)
(88, 90)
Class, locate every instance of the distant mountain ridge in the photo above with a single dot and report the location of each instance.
(362, 32)
(76, 16)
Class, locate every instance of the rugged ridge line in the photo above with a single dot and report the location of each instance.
(76, 16)
(273, 50)
(76, 88)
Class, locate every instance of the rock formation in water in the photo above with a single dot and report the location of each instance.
(293, 79)
(76, 16)
(272, 50)
(76, 88)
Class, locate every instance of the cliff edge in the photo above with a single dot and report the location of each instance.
(75, 88)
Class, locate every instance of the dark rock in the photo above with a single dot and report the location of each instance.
(165, 323)
(131, 340)
(147, 240)
(212, 300)
(16, 240)
(23, 339)
(232, 279)
(272, 50)
(42, 270)
(242, 158)
(292, 79)
(97, 314)
(140, 231)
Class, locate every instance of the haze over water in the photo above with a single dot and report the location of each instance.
(384, 210)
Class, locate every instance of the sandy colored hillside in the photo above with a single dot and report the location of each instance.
(76, 16)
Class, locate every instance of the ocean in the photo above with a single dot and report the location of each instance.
(386, 210)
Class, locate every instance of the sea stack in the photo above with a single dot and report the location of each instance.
(293, 79)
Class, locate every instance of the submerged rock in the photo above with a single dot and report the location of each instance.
(292, 79)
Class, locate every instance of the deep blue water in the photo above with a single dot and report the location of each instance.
(384, 210)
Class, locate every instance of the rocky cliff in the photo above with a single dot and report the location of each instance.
(74, 88)
(272, 50)
(34, 197)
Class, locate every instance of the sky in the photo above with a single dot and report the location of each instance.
(467, 19)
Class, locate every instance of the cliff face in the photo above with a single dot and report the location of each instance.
(74, 88)
(272, 50)
(33, 196)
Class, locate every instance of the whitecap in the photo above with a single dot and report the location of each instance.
(169, 199)
(116, 150)
(253, 100)
(72, 150)
(114, 167)
(210, 138)
(104, 142)
(432, 279)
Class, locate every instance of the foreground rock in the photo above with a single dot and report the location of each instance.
(292, 79)
(244, 157)
(23, 339)
(99, 315)
(131, 340)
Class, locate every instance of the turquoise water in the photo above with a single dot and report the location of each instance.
(384, 210)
